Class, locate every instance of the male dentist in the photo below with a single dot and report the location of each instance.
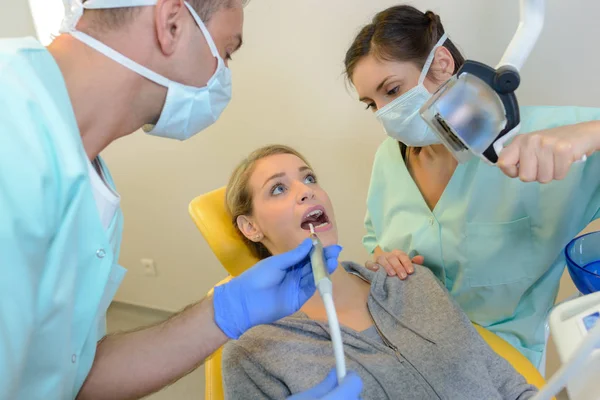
(119, 65)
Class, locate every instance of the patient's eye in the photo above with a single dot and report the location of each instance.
(277, 189)
(310, 178)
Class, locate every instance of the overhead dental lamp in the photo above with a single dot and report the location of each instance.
(476, 111)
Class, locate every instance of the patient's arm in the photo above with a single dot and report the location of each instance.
(510, 384)
(245, 378)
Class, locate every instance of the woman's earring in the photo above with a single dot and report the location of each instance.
(257, 237)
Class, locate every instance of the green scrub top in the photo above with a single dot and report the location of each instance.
(59, 263)
(497, 243)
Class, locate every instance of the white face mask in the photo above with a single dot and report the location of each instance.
(187, 109)
(401, 119)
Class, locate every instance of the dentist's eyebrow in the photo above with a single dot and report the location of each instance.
(279, 175)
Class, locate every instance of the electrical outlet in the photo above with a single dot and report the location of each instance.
(149, 267)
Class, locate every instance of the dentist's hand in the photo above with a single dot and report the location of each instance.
(329, 390)
(395, 262)
(274, 288)
(548, 154)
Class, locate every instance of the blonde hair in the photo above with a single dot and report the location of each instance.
(238, 195)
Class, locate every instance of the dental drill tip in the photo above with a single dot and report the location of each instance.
(312, 229)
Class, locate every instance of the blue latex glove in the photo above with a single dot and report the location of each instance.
(274, 288)
(349, 389)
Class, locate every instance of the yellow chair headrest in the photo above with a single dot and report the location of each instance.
(214, 222)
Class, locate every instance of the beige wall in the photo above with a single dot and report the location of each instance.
(288, 88)
(15, 19)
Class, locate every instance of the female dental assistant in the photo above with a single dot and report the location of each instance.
(494, 241)
(60, 219)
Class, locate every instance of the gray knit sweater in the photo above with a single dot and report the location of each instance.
(428, 350)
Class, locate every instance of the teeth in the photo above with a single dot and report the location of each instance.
(323, 224)
(316, 213)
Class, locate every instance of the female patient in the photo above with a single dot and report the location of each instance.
(406, 339)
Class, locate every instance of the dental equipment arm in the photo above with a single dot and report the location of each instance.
(528, 31)
(325, 288)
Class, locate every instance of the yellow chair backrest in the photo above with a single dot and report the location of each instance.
(212, 219)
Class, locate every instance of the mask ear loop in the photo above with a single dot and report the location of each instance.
(121, 59)
(429, 60)
(77, 9)
(205, 32)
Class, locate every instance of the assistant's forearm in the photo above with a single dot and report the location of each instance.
(595, 127)
(590, 129)
(135, 364)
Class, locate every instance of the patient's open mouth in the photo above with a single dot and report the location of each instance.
(316, 216)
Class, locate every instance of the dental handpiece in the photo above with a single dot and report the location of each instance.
(325, 288)
(317, 258)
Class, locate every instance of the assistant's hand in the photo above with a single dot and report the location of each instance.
(395, 262)
(547, 155)
(349, 389)
(274, 288)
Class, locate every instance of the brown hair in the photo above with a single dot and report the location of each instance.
(238, 195)
(400, 33)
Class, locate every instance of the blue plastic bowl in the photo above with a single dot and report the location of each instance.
(583, 262)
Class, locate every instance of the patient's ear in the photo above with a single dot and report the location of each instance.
(249, 228)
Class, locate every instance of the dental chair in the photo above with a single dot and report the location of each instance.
(212, 219)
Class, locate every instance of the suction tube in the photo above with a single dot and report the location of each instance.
(528, 31)
(325, 288)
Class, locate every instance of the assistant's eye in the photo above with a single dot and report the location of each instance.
(228, 57)
(371, 106)
(277, 189)
(394, 91)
